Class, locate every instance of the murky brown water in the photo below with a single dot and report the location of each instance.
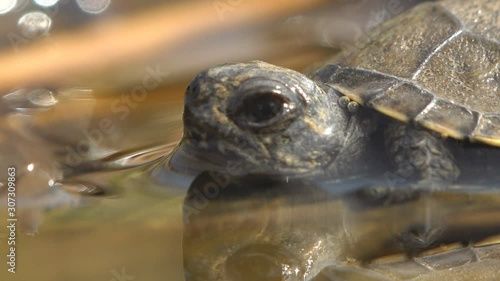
(127, 229)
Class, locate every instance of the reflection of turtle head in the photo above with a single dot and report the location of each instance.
(258, 229)
(275, 120)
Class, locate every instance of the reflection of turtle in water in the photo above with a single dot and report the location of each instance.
(431, 73)
(274, 229)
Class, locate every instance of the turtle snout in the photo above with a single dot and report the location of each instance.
(201, 121)
(191, 129)
(192, 109)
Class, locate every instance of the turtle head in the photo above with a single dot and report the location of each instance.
(265, 118)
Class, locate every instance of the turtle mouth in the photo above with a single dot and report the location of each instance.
(193, 130)
(192, 159)
(209, 147)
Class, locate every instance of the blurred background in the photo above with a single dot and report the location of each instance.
(92, 90)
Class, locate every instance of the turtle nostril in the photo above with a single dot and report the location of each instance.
(194, 86)
(193, 91)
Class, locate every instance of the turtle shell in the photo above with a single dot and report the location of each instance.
(437, 65)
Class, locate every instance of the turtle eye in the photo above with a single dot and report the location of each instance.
(265, 110)
(262, 111)
(262, 108)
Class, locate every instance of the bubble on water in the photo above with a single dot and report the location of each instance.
(46, 3)
(7, 6)
(34, 24)
(42, 97)
(93, 6)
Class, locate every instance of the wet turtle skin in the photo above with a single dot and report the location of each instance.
(420, 81)
(416, 103)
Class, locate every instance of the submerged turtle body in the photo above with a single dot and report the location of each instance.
(438, 66)
(434, 71)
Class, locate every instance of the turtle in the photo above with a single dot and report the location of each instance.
(418, 98)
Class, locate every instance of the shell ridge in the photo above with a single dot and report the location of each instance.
(475, 132)
(487, 129)
(382, 93)
(401, 80)
(443, 44)
(435, 52)
(426, 109)
(432, 116)
(368, 94)
(380, 73)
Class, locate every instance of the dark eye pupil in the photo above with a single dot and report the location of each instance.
(262, 107)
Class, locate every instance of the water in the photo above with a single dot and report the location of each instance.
(122, 211)
(79, 204)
